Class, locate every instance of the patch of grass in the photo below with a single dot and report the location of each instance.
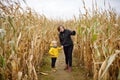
(46, 63)
(46, 68)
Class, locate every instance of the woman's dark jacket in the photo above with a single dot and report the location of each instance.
(65, 37)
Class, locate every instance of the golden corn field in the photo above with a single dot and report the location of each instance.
(25, 37)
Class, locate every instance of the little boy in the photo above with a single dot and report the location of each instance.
(54, 52)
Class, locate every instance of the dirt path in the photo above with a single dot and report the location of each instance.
(60, 74)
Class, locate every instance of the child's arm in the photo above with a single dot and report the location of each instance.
(51, 51)
(59, 48)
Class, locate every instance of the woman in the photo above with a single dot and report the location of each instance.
(67, 43)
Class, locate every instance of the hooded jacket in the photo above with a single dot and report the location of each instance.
(54, 52)
(65, 37)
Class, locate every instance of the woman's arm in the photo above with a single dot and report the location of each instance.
(72, 32)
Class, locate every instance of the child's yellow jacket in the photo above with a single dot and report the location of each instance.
(54, 52)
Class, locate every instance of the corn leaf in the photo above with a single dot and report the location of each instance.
(119, 75)
(2, 61)
(109, 62)
(94, 38)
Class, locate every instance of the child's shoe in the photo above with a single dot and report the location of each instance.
(54, 70)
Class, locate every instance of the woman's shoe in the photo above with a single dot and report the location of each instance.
(70, 69)
(66, 67)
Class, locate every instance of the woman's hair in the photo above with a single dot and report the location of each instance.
(59, 27)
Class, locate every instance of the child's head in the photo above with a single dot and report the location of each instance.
(54, 43)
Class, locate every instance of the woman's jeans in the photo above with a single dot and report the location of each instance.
(68, 55)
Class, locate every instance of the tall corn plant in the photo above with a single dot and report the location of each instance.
(23, 41)
(2, 59)
(97, 43)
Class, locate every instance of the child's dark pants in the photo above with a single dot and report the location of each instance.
(68, 55)
(53, 62)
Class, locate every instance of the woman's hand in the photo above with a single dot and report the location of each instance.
(73, 32)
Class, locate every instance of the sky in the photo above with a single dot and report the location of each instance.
(66, 9)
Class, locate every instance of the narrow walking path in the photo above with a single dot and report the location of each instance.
(60, 74)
